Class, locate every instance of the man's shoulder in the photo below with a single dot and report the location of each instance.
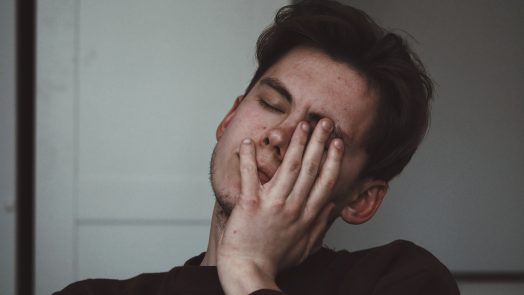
(396, 251)
(399, 264)
(147, 283)
(397, 256)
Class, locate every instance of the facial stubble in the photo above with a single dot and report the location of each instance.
(222, 198)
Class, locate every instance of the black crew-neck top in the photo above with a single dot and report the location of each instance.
(400, 267)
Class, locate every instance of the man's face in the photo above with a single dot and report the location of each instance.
(304, 85)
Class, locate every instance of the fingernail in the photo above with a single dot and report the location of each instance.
(305, 126)
(247, 141)
(338, 143)
(326, 124)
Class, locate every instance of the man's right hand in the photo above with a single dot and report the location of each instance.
(277, 225)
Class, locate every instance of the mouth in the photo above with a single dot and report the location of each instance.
(265, 173)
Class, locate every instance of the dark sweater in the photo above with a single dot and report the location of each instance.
(397, 268)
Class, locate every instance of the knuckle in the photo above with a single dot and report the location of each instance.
(292, 212)
(321, 137)
(248, 168)
(294, 165)
(330, 183)
(308, 213)
(249, 202)
(312, 168)
(295, 207)
(278, 205)
(318, 140)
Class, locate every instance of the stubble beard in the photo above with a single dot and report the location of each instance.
(222, 198)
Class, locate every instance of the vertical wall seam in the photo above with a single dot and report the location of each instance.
(76, 137)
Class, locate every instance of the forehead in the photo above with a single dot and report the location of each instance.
(319, 84)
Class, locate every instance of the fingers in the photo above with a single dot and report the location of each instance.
(327, 179)
(248, 170)
(312, 162)
(308, 172)
(287, 173)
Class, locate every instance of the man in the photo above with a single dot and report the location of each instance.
(335, 110)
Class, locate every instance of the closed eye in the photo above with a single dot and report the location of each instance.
(268, 106)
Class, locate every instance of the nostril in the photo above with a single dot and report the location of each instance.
(266, 141)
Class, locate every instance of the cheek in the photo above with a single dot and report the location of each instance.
(245, 124)
(249, 123)
(348, 175)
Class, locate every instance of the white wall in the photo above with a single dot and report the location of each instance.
(7, 147)
(129, 95)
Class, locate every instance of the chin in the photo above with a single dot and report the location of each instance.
(227, 207)
(224, 198)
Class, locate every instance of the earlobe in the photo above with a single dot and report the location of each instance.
(230, 114)
(364, 207)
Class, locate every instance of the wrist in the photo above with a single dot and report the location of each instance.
(244, 277)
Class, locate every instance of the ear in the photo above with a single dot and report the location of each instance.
(365, 206)
(225, 122)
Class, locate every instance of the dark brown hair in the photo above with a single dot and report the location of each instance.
(390, 67)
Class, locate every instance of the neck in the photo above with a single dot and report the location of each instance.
(218, 221)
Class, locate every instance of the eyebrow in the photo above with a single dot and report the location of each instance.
(278, 87)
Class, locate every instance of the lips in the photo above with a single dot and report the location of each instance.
(265, 172)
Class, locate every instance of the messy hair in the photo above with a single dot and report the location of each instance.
(383, 58)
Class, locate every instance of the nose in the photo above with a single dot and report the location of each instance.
(279, 137)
